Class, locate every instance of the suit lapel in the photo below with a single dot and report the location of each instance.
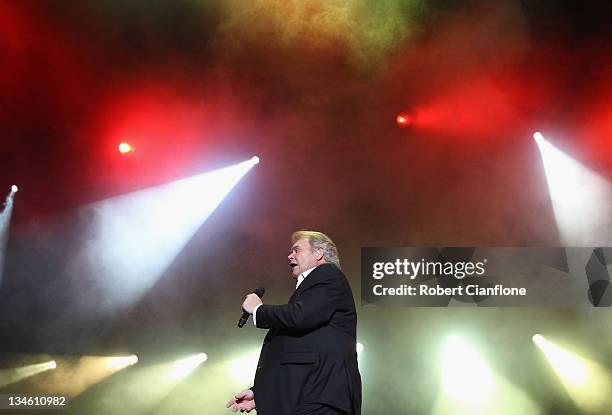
(307, 282)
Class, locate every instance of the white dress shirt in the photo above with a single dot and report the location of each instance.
(300, 278)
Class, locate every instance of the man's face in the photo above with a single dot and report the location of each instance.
(302, 257)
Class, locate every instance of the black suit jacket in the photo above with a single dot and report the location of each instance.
(309, 354)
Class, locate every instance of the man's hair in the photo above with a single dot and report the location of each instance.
(319, 240)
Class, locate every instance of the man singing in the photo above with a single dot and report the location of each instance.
(308, 361)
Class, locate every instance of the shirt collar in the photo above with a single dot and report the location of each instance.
(303, 276)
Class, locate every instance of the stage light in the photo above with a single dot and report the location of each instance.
(143, 389)
(586, 382)
(138, 235)
(243, 368)
(255, 160)
(470, 386)
(568, 366)
(6, 211)
(403, 119)
(121, 362)
(359, 348)
(465, 375)
(538, 136)
(8, 376)
(75, 375)
(580, 198)
(184, 367)
(125, 148)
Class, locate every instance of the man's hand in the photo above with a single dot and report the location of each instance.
(244, 401)
(250, 302)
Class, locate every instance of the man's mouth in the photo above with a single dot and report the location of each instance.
(292, 265)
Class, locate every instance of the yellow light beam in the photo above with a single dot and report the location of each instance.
(471, 387)
(8, 376)
(121, 362)
(184, 367)
(586, 382)
(465, 376)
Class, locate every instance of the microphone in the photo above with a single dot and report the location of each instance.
(245, 315)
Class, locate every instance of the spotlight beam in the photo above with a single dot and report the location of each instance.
(121, 362)
(8, 376)
(470, 386)
(587, 383)
(581, 199)
(184, 367)
(5, 220)
(466, 376)
(135, 237)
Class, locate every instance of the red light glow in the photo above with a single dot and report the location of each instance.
(403, 119)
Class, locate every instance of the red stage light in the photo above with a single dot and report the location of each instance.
(125, 148)
(403, 119)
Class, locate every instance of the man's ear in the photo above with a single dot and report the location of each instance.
(320, 253)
